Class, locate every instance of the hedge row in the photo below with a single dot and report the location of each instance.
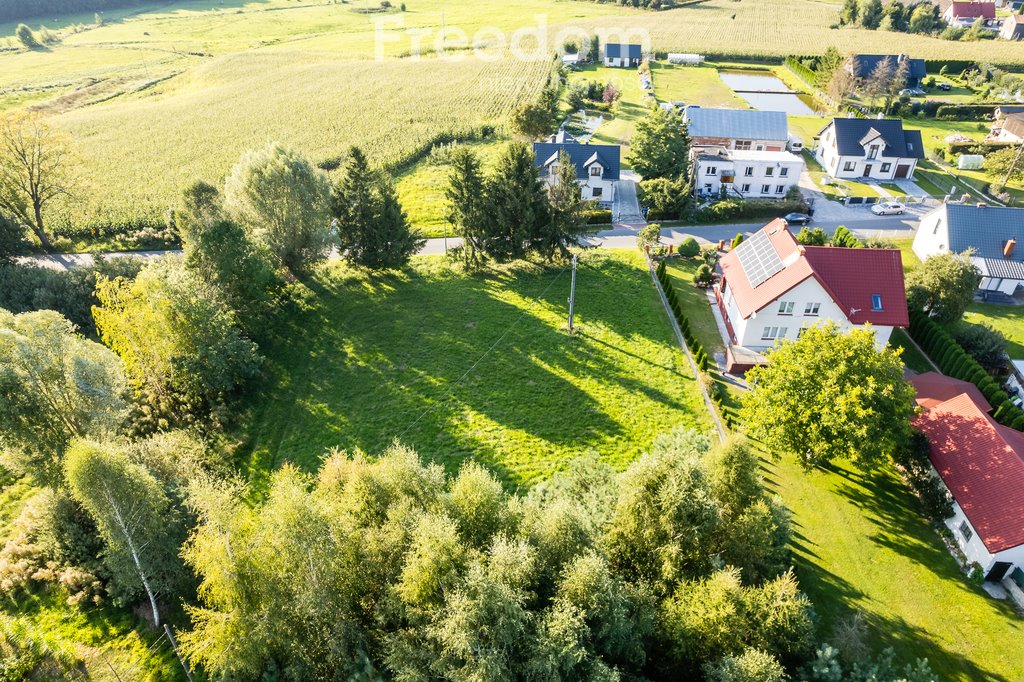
(953, 360)
(699, 354)
(965, 112)
(953, 66)
(801, 71)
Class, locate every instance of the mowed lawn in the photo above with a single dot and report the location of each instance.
(862, 546)
(461, 367)
(699, 85)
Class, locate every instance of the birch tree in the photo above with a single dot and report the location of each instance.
(132, 512)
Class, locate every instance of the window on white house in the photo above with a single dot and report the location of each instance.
(965, 530)
(743, 144)
(760, 148)
(598, 191)
(786, 307)
(707, 186)
(886, 167)
(780, 189)
(849, 166)
(746, 188)
(765, 189)
(873, 151)
(812, 308)
(773, 333)
(595, 171)
(769, 171)
(783, 172)
(711, 170)
(748, 171)
(938, 224)
(876, 302)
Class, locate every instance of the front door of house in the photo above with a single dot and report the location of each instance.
(999, 570)
(867, 170)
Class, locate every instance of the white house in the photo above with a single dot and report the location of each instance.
(739, 129)
(981, 463)
(878, 149)
(747, 174)
(597, 165)
(992, 232)
(772, 287)
(1012, 28)
(620, 54)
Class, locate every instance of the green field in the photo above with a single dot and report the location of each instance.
(693, 85)
(479, 367)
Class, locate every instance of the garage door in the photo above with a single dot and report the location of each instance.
(902, 171)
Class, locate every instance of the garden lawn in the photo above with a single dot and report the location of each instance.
(619, 126)
(480, 367)
(861, 545)
(694, 85)
(1008, 319)
(912, 357)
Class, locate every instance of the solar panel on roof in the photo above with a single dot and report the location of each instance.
(758, 258)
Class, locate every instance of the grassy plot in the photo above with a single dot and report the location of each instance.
(1007, 319)
(862, 546)
(618, 126)
(694, 85)
(480, 367)
(912, 356)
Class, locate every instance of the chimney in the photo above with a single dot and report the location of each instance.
(982, 204)
(1008, 247)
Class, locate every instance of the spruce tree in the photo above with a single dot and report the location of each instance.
(373, 230)
(516, 205)
(566, 218)
(466, 203)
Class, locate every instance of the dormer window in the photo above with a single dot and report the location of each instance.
(873, 151)
(876, 303)
(595, 171)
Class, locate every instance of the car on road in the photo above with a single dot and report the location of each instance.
(797, 218)
(888, 208)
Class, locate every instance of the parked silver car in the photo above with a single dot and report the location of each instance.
(888, 208)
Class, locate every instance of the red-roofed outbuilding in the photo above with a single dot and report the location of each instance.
(982, 464)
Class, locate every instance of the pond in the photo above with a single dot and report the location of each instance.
(766, 92)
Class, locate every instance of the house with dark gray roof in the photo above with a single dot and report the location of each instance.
(623, 54)
(597, 165)
(1009, 129)
(863, 65)
(870, 148)
(994, 234)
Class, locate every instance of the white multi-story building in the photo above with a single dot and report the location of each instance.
(747, 174)
(772, 287)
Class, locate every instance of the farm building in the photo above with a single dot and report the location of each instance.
(993, 232)
(863, 65)
(879, 149)
(1012, 28)
(1004, 110)
(981, 463)
(744, 173)
(597, 165)
(621, 54)
(772, 287)
(739, 129)
(963, 14)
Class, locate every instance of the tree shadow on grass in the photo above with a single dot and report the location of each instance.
(455, 366)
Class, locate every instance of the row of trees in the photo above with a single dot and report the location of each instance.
(659, 153)
(918, 17)
(511, 211)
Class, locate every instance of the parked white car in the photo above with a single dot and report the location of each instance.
(887, 208)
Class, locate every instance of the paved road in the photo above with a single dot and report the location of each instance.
(622, 236)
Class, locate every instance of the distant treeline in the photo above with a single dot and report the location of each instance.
(20, 10)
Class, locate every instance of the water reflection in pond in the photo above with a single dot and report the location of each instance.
(766, 92)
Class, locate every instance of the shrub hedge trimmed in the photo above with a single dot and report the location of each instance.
(953, 360)
(700, 356)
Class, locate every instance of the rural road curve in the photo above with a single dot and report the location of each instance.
(623, 237)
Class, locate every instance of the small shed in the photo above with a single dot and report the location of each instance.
(970, 161)
(684, 58)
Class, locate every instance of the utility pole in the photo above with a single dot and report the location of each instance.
(572, 294)
(1013, 166)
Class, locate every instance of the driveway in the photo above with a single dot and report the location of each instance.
(625, 205)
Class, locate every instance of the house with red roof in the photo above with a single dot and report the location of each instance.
(964, 14)
(981, 462)
(772, 287)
